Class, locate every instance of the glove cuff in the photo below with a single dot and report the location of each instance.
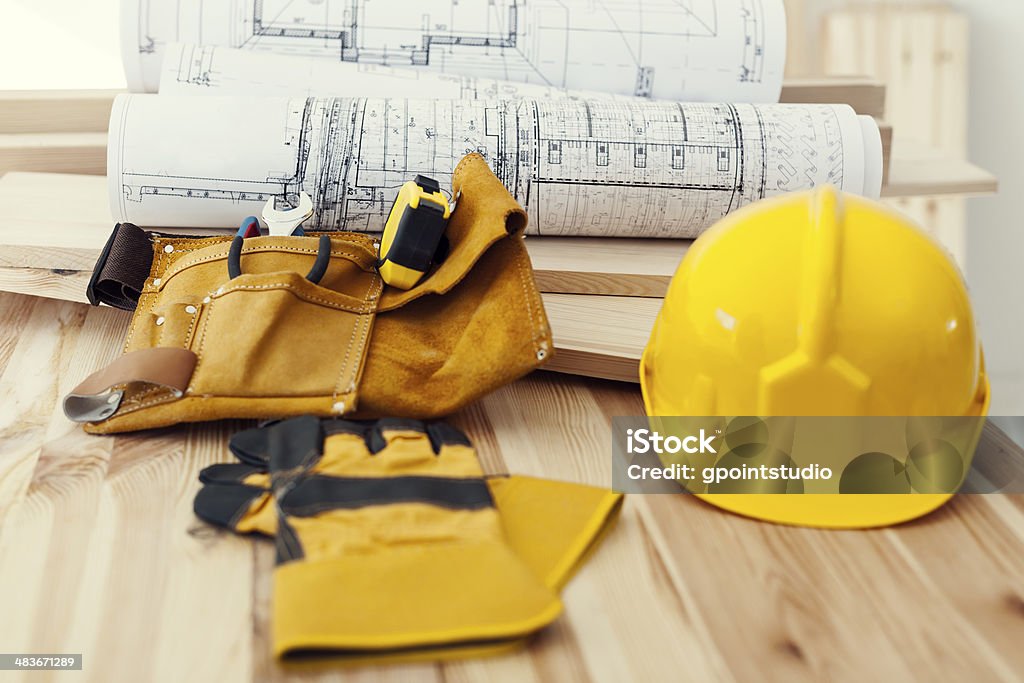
(553, 526)
(415, 597)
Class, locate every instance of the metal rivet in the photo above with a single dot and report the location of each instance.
(169, 248)
(190, 309)
(339, 408)
(156, 282)
(206, 300)
(160, 320)
(542, 354)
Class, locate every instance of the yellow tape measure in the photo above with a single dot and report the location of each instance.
(413, 233)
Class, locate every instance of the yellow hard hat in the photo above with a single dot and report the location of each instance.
(817, 304)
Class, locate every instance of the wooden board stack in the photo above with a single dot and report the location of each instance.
(602, 294)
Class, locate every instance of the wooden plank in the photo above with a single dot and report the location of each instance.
(54, 152)
(885, 133)
(865, 95)
(600, 336)
(927, 175)
(62, 285)
(42, 233)
(55, 111)
(616, 267)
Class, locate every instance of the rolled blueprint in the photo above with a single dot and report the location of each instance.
(697, 50)
(636, 168)
(190, 69)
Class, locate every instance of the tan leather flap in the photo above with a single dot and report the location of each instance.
(98, 396)
(485, 213)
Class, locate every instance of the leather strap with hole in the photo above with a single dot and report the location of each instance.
(100, 394)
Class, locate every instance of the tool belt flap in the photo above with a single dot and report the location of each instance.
(282, 326)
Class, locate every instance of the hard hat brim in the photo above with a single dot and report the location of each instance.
(830, 511)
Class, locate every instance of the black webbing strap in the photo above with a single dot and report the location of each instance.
(315, 494)
(122, 269)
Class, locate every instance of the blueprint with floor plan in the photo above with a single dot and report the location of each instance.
(190, 69)
(686, 50)
(637, 168)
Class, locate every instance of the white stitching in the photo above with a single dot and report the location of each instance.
(202, 342)
(363, 321)
(456, 179)
(134, 404)
(192, 326)
(538, 329)
(183, 265)
(145, 404)
(364, 310)
(298, 293)
(149, 298)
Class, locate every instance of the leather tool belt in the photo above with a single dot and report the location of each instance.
(285, 326)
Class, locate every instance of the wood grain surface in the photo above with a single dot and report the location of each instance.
(865, 95)
(100, 554)
(54, 152)
(81, 111)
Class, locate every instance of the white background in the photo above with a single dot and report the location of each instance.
(60, 44)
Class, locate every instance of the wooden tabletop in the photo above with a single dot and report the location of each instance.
(100, 554)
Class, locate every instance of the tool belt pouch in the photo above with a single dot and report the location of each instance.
(285, 326)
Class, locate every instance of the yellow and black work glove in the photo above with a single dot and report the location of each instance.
(388, 538)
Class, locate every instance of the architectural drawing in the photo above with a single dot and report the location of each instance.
(688, 50)
(189, 69)
(579, 167)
